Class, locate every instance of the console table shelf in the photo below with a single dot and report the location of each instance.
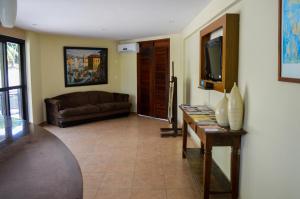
(200, 119)
(219, 182)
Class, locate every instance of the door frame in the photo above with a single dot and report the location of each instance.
(23, 75)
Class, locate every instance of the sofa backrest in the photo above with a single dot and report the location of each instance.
(82, 98)
(97, 97)
(73, 99)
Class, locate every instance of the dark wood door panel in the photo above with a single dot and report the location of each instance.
(144, 62)
(153, 78)
(162, 62)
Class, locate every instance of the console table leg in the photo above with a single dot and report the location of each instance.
(235, 167)
(207, 170)
(184, 140)
(202, 148)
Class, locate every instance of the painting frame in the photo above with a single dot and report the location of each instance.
(281, 67)
(93, 63)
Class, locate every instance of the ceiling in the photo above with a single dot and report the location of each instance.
(111, 19)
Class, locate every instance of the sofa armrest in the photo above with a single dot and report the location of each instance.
(54, 104)
(120, 97)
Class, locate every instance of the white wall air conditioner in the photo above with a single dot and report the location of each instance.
(132, 47)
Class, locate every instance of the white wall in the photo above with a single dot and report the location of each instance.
(128, 69)
(269, 159)
(34, 81)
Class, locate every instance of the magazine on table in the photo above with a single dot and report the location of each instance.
(197, 109)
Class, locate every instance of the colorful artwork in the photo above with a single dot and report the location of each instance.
(290, 39)
(85, 66)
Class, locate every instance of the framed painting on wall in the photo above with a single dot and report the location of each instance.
(85, 66)
(289, 41)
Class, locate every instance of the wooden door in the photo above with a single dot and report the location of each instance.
(145, 65)
(161, 78)
(153, 78)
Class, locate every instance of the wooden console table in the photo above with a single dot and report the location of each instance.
(211, 137)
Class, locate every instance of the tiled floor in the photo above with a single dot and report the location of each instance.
(126, 158)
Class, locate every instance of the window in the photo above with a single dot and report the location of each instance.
(12, 78)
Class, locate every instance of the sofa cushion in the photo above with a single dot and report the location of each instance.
(93, 97)
(75, 99)
(120, 97)
(113, 106)
(97, 97)
(122, 105)
(103, 107)
(105, 97)
(80, 110)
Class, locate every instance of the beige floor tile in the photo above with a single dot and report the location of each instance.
(117, 180)
(124, 152)
(122, 166)
(181, 194)
(149, 181)
(81, 158)
(148, 194)
(176, 180)
(148, 155)
(89, 193)
(149, 167)
(92, 180)
(94, 164)
(175, 166)
(114, 193)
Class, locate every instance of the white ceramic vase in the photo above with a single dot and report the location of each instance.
(222, 111)
(235, 109)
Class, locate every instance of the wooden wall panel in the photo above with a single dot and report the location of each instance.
(13, 32)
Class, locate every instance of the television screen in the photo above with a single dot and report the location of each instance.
(213, 56)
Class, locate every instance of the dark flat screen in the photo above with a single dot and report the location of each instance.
(214, 59)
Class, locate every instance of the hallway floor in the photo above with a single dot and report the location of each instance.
(125, 158)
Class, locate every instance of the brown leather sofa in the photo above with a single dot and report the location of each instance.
(79, 107)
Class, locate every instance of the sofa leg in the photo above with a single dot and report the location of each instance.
(61, 125)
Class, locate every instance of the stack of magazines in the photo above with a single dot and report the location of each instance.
(201, 114)
(197, 110)
(204, 120)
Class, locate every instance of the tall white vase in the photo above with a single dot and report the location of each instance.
(235, 109)
(222, 111)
